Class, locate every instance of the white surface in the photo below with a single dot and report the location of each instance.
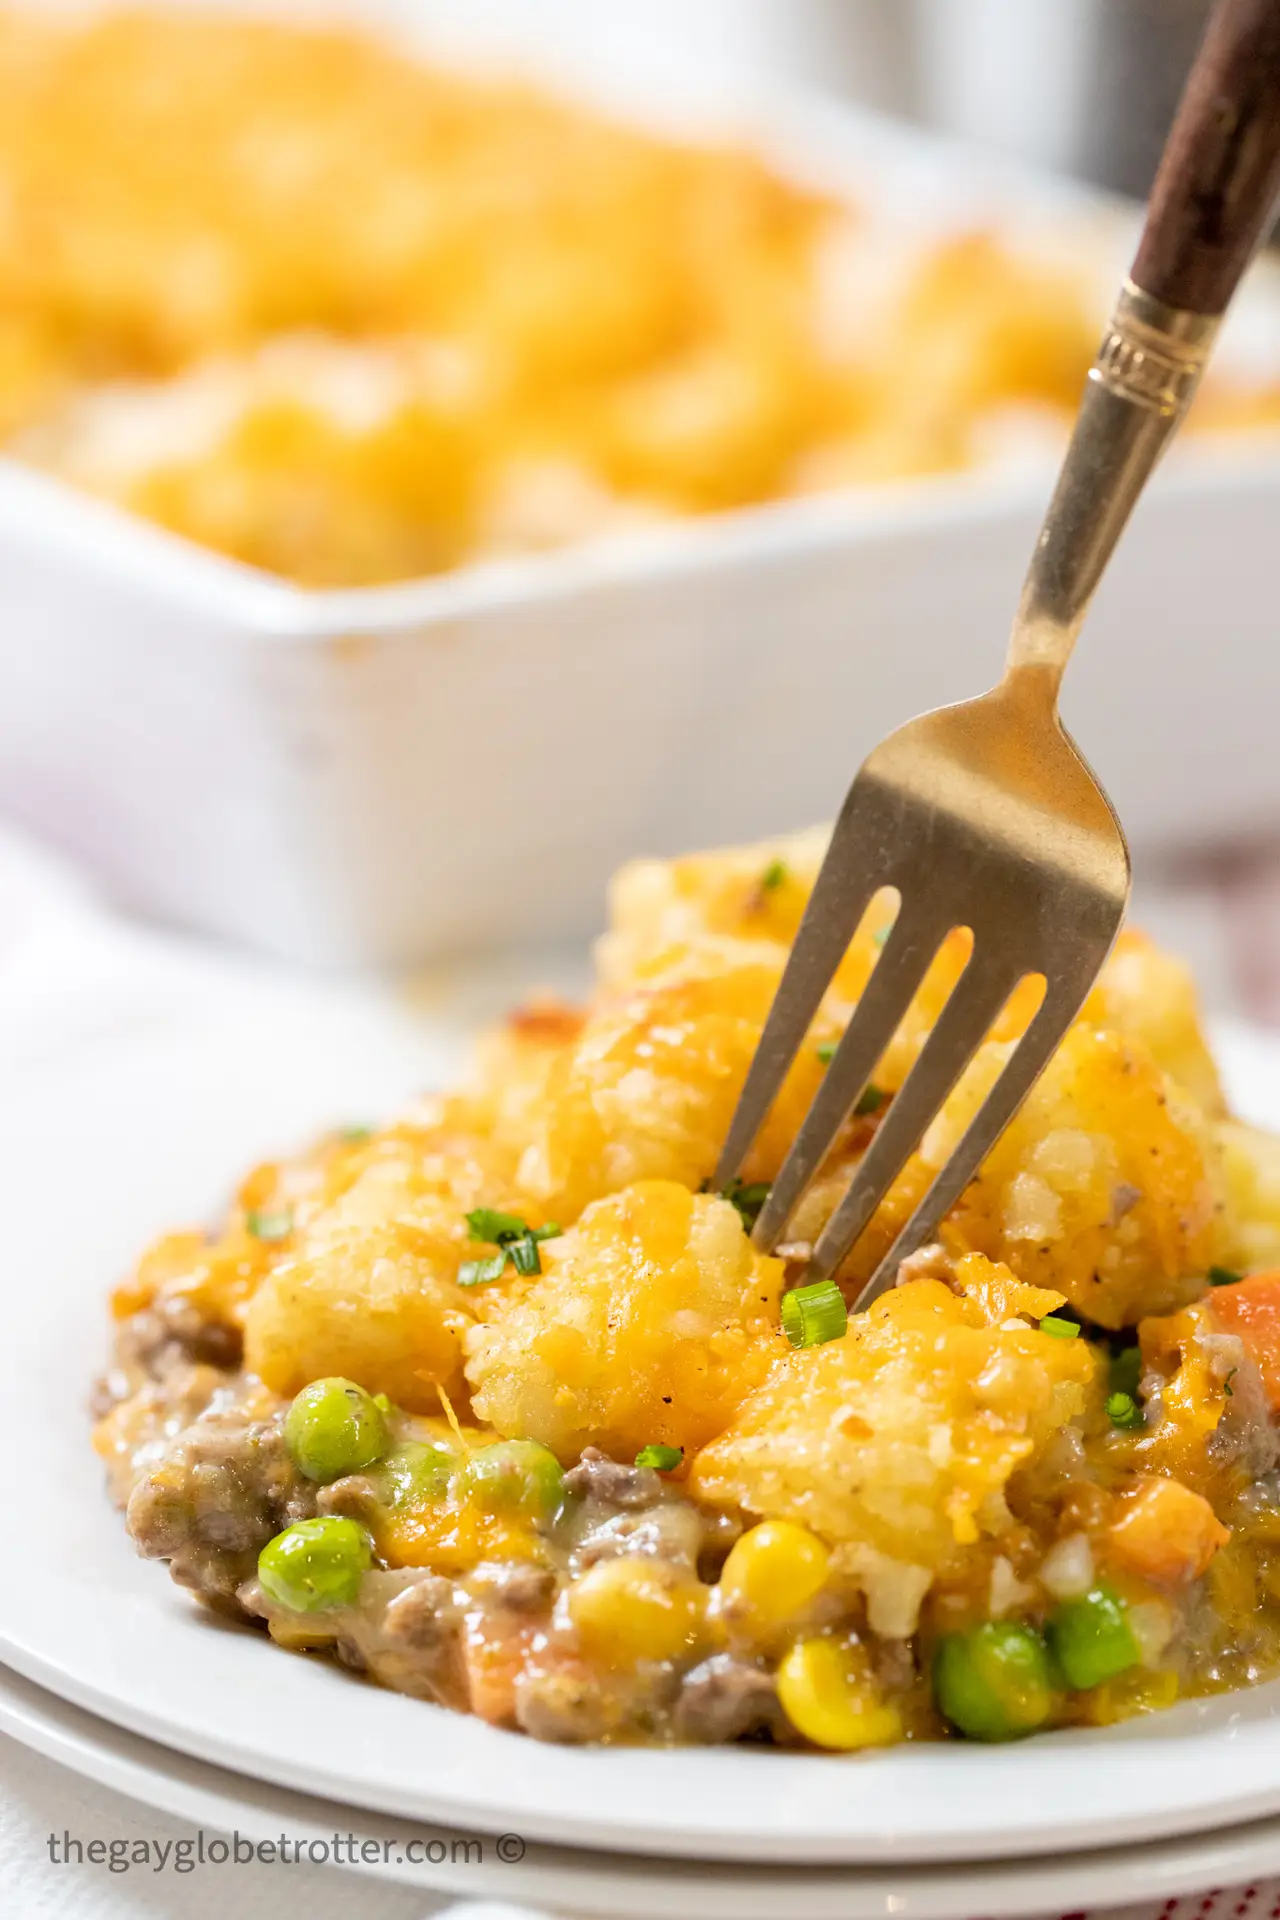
(138, 1081)
(40, 1798)
(1016, 77)
(294, 771)
(211, 1800)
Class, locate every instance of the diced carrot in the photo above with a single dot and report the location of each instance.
(494, 1662)
(1251, 1309)
(1165, 1533)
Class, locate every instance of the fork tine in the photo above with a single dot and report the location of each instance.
(962, 1025)
(841, 895)
(885, 999)
(1022, 1070)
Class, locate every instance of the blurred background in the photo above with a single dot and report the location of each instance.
(1086, 87)
(160, 350)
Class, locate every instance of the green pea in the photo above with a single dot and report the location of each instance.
(416, 1474)
(1091, 1638)
(334, 1427)
(515, 1477)
(315, 1564)
(993, 1683)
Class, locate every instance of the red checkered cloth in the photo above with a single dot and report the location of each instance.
(1260, 1901)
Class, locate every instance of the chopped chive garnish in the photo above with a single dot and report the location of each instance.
(826, 1051)
(1060, 1329)
(476, 1273)
(881, 934)
(1224, 1277)
(748, 1198)
(1126, 1371)
(354, 1136)
(1123, 1411)
(773, 876)
(266, 1223)
(524, 1255)
(1227, 1387)
(515, 1240)
(662, 1459)
(815, 1314)
(486, 1223)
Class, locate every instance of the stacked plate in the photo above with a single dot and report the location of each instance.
(129, 1098)
(591, 1880)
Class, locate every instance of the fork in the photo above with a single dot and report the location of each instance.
(984, 815)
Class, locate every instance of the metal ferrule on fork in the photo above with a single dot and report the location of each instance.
(1139, 390)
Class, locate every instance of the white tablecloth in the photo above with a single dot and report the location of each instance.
(40, 1800)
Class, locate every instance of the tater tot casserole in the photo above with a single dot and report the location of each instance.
(500, 1405)
(350, 319)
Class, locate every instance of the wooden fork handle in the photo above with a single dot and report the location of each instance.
(1215, 189)
(1220, 175)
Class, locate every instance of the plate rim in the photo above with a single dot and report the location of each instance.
(143, 1772)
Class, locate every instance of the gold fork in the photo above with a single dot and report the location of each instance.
(984, 815)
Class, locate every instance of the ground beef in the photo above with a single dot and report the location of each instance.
(1246, 1434)
(421, 1611)
(218, 1494)
(354, 1496)
(152, 1344)
(720, 1533)
(672, 1531)
(404, 1631)
(725, 1698)
(138, 1431)
(895, 1664)
(514, 1585)
(596, 1477)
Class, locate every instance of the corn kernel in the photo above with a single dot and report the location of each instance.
(827, 1697)
(1138, 1692)
(631, 1610)
(771, 1575)
(297, 1636)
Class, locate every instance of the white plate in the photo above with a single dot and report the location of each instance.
(146, 1128)
(630, 1887)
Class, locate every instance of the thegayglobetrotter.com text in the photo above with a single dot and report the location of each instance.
(215, 1850)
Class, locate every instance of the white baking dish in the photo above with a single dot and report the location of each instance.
(401, 772)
